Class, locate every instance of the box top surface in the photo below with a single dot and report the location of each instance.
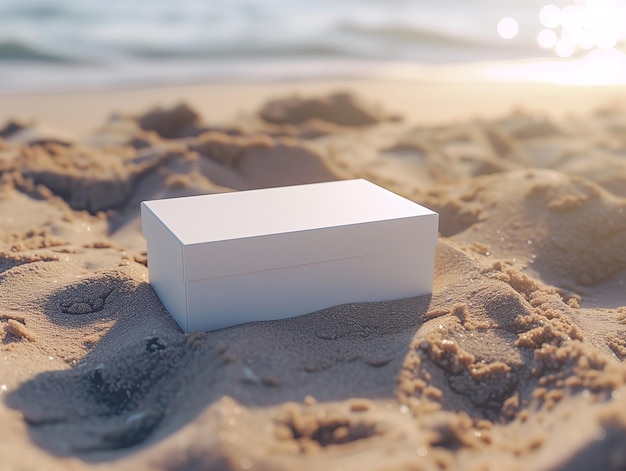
(255, 213)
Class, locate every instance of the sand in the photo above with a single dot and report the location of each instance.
(514, 362)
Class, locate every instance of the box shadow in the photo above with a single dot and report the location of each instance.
(142, 380)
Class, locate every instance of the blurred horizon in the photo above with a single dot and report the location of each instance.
(64, 44)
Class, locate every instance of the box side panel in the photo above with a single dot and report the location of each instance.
(165, 267)
(233, 257)
(277, 294)
(425, 232)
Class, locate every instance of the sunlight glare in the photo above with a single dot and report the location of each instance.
(598, 67)
(564, 48)
(586, 40)
(508, 28)
(547, 38)
(573, 16)
(583, 25)
(606, 39)
(603, 67)
(603, 23)
(550, 16)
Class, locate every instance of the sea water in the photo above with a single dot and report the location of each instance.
(64, 44)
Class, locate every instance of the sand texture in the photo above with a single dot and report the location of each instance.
(514, 362)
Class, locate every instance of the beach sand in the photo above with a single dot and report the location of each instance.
(513, 362)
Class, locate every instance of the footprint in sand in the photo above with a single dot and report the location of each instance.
(88, 306)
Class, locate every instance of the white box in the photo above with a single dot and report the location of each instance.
(225, 259)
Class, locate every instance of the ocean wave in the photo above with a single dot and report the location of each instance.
(121, 31)
(239, 51)
(17, 51)
(405, 33)
(13, 51)
(63, 42)
(33, 11)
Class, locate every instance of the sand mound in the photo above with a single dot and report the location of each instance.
(342, 108)
(121, 165)
(514, 362)
(169, 122)
(263, 161)
(573, 230)
(12, 127)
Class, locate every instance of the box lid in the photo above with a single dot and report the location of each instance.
(241, 232)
